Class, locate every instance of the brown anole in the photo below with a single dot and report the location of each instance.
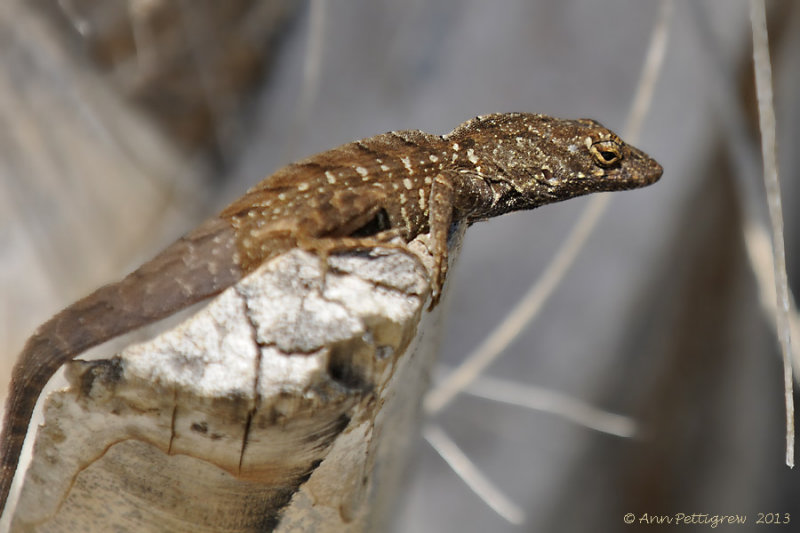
(361, 195)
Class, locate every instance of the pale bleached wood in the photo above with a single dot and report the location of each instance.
(325, 379)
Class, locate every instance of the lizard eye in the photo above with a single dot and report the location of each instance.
(606, 153)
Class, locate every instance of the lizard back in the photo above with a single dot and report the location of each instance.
(360, 188)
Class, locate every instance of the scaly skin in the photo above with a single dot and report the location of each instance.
(356, 196)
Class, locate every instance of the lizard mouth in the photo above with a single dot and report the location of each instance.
(656, 171)
(643, 170)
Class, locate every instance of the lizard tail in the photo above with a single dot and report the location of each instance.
(199, 265)
(22, 396)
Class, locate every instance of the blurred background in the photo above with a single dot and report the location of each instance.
(127, 122)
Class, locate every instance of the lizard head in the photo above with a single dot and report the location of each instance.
(531, 160)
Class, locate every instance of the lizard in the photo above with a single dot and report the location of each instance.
(361, 195)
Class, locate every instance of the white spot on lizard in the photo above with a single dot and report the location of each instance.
(407, 163)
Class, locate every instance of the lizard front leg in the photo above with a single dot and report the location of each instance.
(440, 217)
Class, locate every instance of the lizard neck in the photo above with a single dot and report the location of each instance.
(487, 198)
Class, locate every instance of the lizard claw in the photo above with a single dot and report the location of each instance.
(437, 282)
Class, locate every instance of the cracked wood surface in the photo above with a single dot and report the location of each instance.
(272, 408)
